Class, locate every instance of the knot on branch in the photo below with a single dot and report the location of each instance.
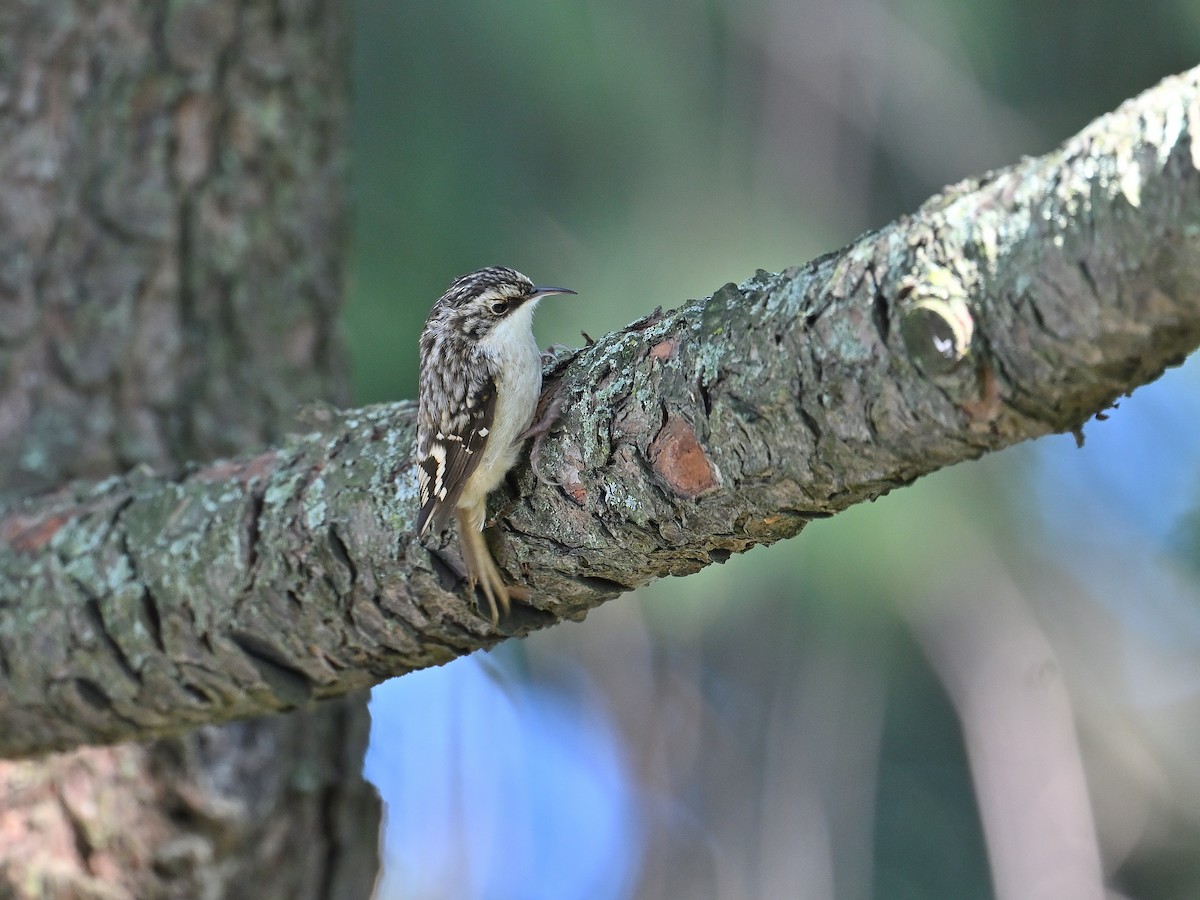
(681, 462)
(937, 326)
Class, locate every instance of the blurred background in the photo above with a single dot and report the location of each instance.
(987, 681)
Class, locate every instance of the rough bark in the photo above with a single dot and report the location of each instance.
(170, 245)
(1006, 308)
(168, 235)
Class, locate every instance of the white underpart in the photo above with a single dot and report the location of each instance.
(515, 356)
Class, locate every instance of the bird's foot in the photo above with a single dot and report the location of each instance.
(483, 573)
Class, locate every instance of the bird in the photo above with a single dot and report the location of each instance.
(479, 384)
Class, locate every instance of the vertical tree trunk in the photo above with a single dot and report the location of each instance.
(171, 224)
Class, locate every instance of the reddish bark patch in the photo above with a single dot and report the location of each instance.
(575, 491)
(663, 350)
(680, 461)
(243, 471)
(987, 408)
(570, 482)
(26, 534)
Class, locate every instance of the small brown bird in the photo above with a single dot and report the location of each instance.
(481, 375)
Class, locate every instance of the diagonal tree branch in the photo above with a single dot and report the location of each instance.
(1006, 308)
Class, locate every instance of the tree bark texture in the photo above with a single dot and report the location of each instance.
(171, 234)
(1005, 308)
(170, 230)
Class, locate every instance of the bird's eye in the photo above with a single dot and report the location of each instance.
(500, 307)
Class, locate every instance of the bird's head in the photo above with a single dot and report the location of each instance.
(476, 303)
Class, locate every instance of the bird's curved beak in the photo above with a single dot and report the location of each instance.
(540, 291)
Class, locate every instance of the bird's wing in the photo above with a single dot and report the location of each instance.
(449, 454)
